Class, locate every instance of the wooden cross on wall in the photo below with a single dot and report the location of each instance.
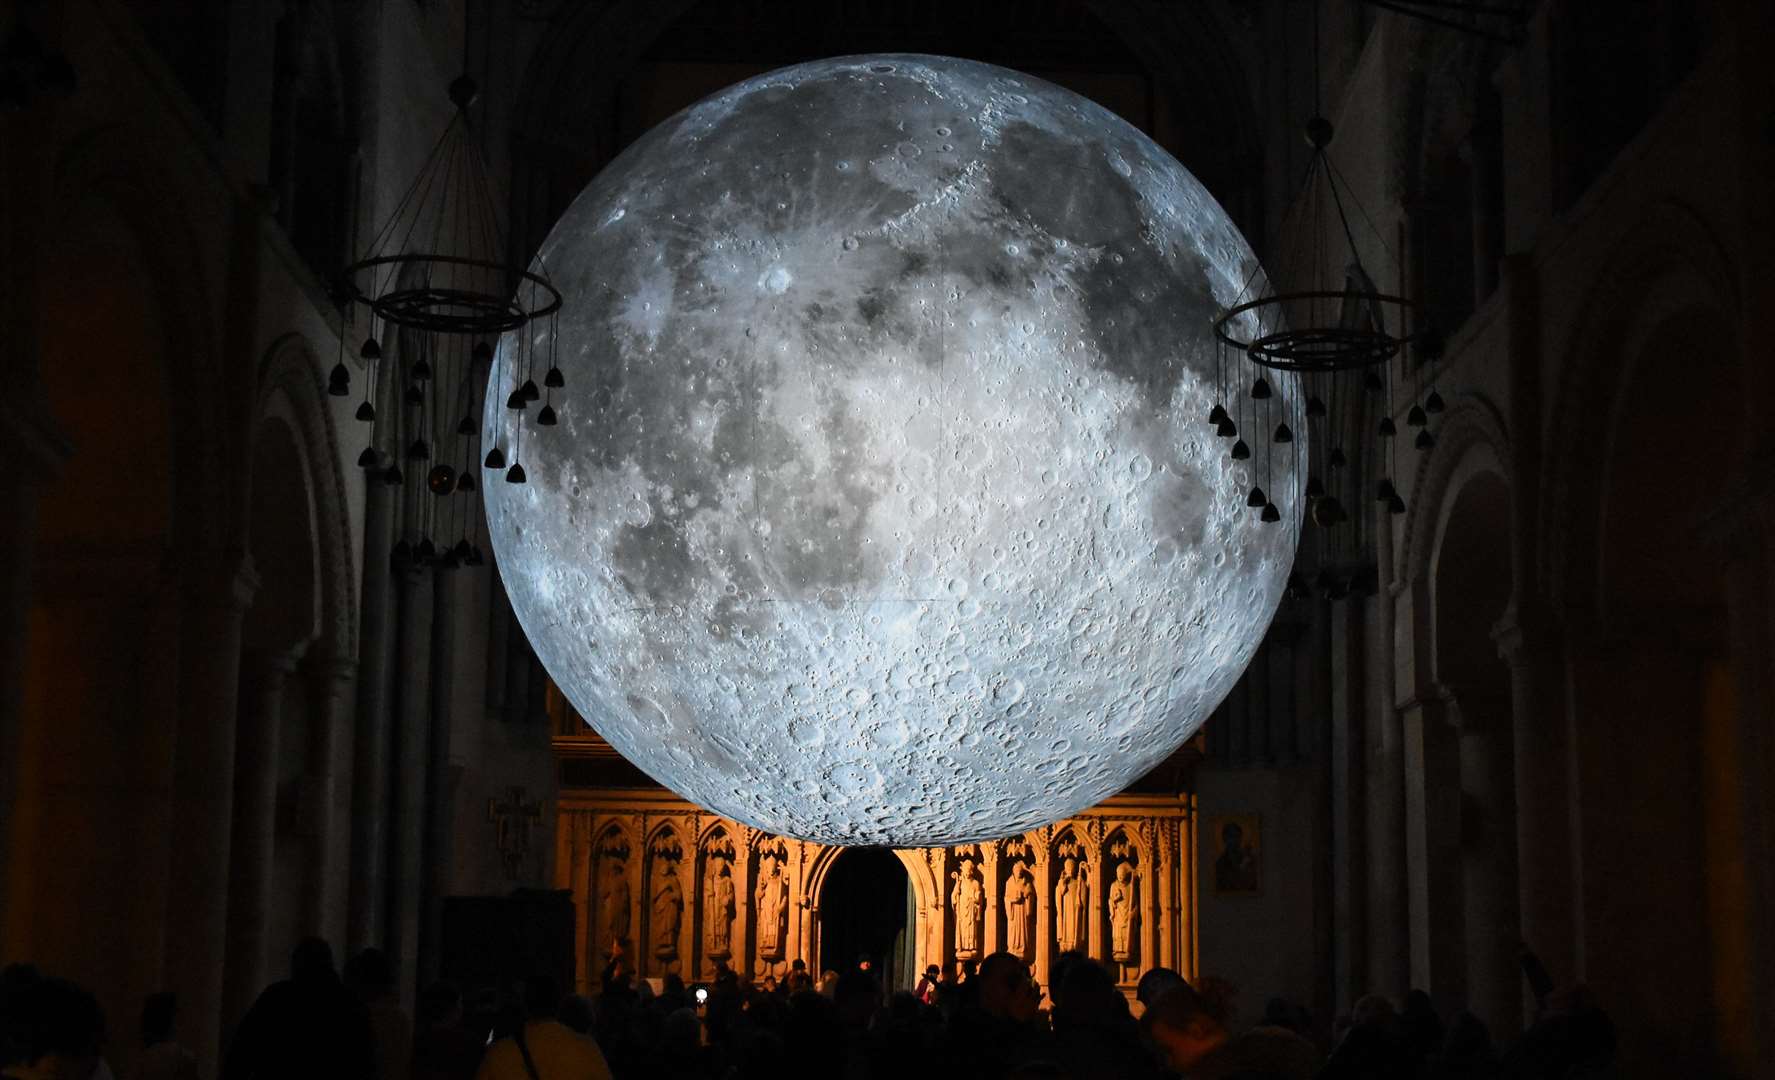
(511, 828)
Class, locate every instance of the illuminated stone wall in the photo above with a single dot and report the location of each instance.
(677, 889)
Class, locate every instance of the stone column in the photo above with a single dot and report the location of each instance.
(1044, 916)
(1546, 901)
(1389, 954)
(333, 699)
(1432, 845)
(411, 748)
(577, 867)
(254, 841)
(1165, 869)
(34, 453)
(370, 740)
(990, 939)
(1494, 977)
(1146, 892)
(219, 590)
(440, 806)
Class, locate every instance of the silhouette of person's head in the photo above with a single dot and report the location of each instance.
(1182, 1027)
(1154, 983)
(311, 961)
(158, 1013)
(50, 1024)
(1004, 987)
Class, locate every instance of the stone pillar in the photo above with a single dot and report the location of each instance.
(1433, 853)
(370, 740)
(411, 747)
(333, 699)
(991, 940)
(1389, 956)
(1044, 916)
(254, 838)
(1546, 901)
(577, 868)
(203, 798)
(1146, 895)
(1347, 663)
(1494, 977)
(1165, 870)
(34, 453)
(439, 814)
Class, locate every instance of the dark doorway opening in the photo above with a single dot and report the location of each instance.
(866, 913)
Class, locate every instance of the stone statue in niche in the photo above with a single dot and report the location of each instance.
(613, 901)
(773, 905)
(966, 899)
(1018, 896)
(718, 909)
(1072, 897)
(1123, 903)
(668, 910)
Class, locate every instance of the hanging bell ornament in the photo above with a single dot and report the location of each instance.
(462, 551)
(339, 381)
(466, 482)
(1270, 514)
(1315, 407)
(1260, 390)
(1217, 416)
(421, 370)
(419, 451)
(1383, 490)
(515, 474)
(392, 476)
(465, 426)
(554, 380)
(366, 413)
(482, 353)
(1241, 451)
(1282, 435)
(368, 459)
(426, 551)
(1433, 404)
(1257, 498)
(1227, 429)
(546, 416)
(1396, 504)
(1314, 488)
(529, 390)
(495, 459)
(516, 401)
(370, 350)
(1386, 429)
(1416, 417)
(1425, 440)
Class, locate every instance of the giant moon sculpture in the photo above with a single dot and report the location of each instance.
(884, 509)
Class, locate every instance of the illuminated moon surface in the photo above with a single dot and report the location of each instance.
(883, 508)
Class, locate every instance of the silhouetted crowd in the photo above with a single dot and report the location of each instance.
(990, 1021)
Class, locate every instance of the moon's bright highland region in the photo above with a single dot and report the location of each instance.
(883, 508)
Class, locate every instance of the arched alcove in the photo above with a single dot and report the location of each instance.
(1471, 591)
(867, 910)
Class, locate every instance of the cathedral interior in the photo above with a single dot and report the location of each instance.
(1523, 709)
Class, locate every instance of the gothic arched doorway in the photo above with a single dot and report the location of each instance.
(867, 911)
